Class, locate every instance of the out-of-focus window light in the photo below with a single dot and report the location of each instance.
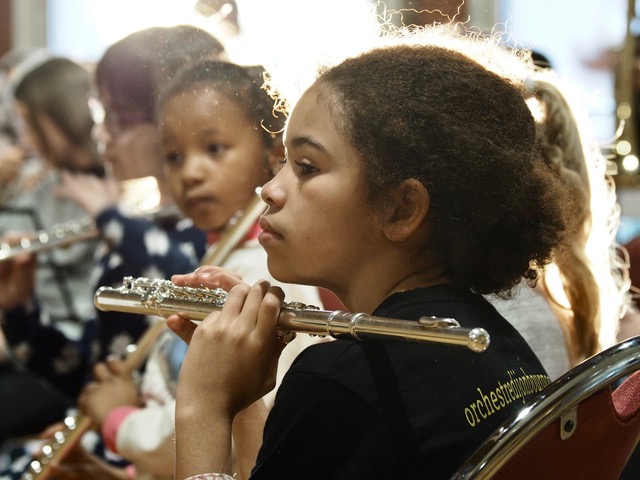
(83, 30)
(289, 37)
(573, 38)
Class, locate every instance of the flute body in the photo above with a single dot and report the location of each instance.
(58, 236)
(68, 233)
(65, 440)
(140, 199)
(163, 298)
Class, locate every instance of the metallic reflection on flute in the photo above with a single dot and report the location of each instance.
(59, 235)
(163, 298)
(140, 198)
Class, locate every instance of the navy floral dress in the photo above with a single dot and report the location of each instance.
(139, 248)
(130, 247)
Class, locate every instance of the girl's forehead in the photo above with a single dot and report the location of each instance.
(310, 108)
(214, 96)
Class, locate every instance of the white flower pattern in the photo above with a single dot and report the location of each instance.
(157, 242)
(114, 231)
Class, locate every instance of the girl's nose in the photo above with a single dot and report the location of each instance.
(192, 168)
(273, 192)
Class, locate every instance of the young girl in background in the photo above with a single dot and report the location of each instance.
(46, 298)
(221, 141)
(413, 183)
(575, 309)
(128, 78)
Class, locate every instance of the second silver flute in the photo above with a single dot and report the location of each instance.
(163, 298)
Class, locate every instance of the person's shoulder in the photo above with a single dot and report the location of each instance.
(323, 357)
(43, 191)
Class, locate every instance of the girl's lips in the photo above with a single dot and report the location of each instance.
(267, 236)
(196, 201)
(268, 232)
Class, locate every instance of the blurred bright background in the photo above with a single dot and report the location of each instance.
(579, 37)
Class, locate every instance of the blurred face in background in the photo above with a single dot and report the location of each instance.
(129, 140)
(26, 137)
(40, 134)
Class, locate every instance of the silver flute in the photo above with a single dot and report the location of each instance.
(136, 195)
(162, 298)
(59, 235)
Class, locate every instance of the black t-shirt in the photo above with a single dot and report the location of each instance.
(389, 409)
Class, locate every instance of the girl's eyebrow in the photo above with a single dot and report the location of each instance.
(306, 141)
(208, 131)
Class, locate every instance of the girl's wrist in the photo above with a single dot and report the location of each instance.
(210, 476)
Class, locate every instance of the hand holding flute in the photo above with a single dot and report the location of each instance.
(17, 278)
(208, 276)
(113, 386)
(247, 323)
(248, 311)
(92, 193)
(241, 342)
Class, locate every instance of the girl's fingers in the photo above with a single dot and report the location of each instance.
(266, 330)
(208, 276)
(116, 365)
(269, 309)
(182, 327)
(233, 306)
(101, 372)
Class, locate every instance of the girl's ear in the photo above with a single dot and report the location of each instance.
(406, 211)
(274, 157)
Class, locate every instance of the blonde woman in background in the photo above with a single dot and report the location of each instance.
(576, 308)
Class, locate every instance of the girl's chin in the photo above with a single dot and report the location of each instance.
(207, 225)
(281, 270)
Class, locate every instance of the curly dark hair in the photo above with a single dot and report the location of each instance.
(433, 114)
(240, 84)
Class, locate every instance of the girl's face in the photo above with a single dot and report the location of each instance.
(318, 229)
(53, 147)
(131, 144)
(40, 133)
(215, 156)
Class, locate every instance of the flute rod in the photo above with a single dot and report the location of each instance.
(61, 235)
(67, 233)
(162, 298)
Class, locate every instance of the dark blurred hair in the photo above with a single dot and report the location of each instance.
(134, 69)
(59, 88)
(241, 85)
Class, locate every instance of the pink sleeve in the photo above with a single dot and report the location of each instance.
(131, 472)
(112, 424)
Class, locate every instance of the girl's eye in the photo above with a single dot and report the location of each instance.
(173, 158)
(215, 148)
(305, 169)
